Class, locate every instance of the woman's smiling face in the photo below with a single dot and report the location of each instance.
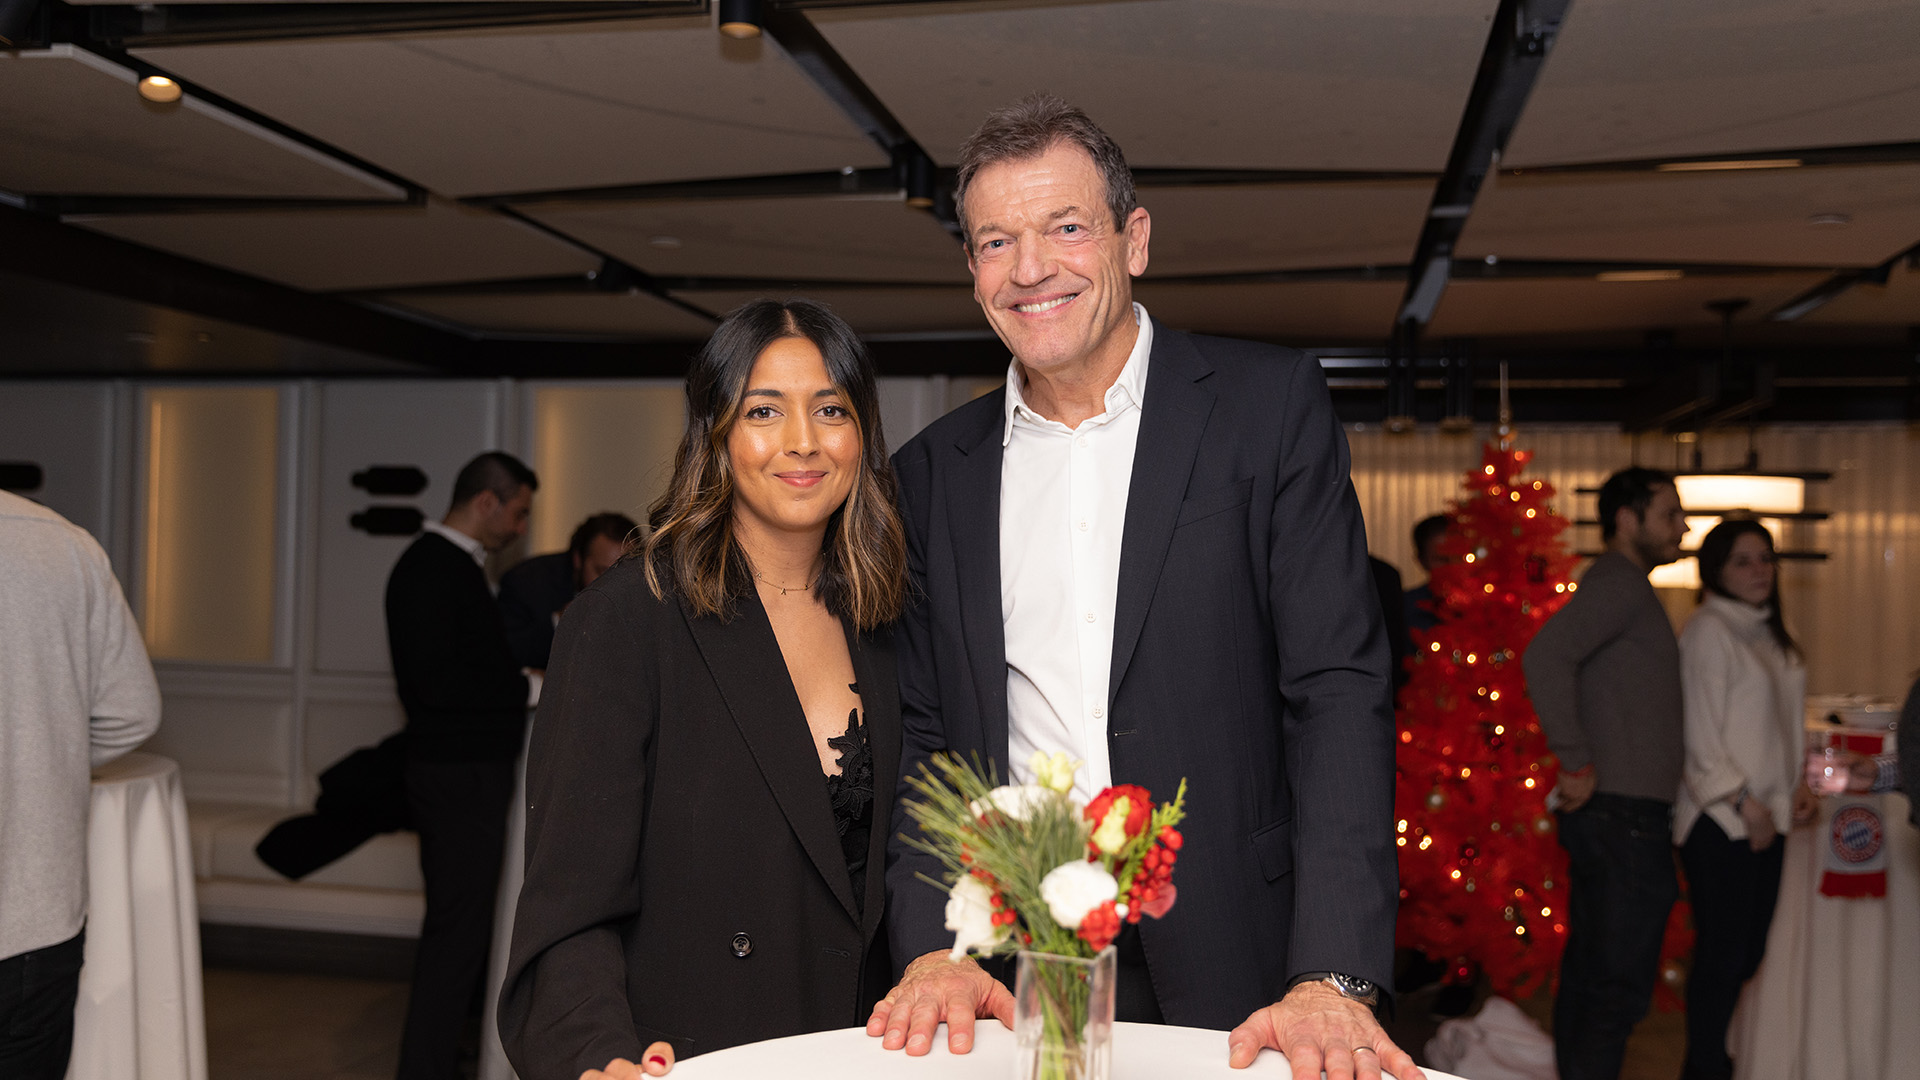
(795, 445)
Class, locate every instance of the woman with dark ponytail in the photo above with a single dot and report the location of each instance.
(1743, 786)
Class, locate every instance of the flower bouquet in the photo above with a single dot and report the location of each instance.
(1034, 872)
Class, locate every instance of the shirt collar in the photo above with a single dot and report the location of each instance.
(1129, 388)
(460, 540)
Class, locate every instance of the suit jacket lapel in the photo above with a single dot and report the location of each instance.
(973, 514)
(1172, 420)
(744, 658)
(880, 700)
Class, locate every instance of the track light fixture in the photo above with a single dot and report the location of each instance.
(919, 181)
(741, 18)
(159, 89)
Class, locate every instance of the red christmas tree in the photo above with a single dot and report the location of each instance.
(1482, 874)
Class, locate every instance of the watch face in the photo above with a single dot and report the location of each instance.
(1358, 989)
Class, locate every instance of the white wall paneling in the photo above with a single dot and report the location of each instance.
(66, 429)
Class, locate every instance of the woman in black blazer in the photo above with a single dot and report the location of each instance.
(712, 767)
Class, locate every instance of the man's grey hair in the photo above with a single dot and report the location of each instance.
(1029, 128)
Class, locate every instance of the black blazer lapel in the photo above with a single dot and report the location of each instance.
(744, 658)
(1172, 420)
(973, 514)
(880, 700)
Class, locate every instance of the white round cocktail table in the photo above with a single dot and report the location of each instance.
(1140, 1052)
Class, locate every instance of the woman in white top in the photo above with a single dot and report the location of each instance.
(1744, 689)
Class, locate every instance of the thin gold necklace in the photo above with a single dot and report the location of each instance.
(783, 588)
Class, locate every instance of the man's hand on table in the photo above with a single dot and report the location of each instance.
(935, 989)
(657, 1061)
(1318, 1028)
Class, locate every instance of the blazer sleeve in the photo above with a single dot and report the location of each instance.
(1338, 716)
(915, 910)
(563, 1006)
(1706, 669)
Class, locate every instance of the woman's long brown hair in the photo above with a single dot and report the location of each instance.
(691, 549)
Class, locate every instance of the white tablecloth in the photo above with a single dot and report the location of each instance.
(1140, 1052)
(1838, 996)
(140, 1015)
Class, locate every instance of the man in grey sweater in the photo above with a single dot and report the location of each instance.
(76, 691)
(1604, 675)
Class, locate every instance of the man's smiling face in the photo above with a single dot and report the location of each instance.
(1050, 268)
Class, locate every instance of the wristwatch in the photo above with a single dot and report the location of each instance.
(1348, 986)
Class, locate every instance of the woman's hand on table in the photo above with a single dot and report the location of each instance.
(935, 989)
(1806, 805)
(1320, 1029)
(657, 1061)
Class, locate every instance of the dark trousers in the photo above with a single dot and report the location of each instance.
(37, 992)
(460, 810)
(1621, 891)
(1733, 890)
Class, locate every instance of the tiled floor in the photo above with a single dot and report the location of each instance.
(273, 1026)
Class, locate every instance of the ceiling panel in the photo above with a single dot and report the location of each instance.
(1897, 303)
(1217, 229)
(72, 123)
(1632, 79)
(636, 315)
(1284, 84)
(338, 249)
(850, 239)
(1766, 217)
(872, 311)
(1295, 313)
(490, 112)
(1582, 305)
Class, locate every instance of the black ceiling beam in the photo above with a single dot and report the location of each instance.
(1841, 281)
(150, 26)
(1516, 50)
(614, 275)
(38, 247)
(830, 72)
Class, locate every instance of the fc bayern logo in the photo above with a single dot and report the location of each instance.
(1856, 834)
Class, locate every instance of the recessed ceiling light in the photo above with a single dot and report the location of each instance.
(740, 18)
(1830, 219)
(665, 243)
(1640, 275)
(1728, 165)
(160, 89)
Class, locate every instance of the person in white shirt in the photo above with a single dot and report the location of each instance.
(76, 691)
(1742, 787)
(1145, 552)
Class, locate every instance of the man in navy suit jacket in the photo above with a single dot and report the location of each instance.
(1145, 550)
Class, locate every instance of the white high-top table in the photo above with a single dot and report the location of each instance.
(1140, 1052)
(140, 1015)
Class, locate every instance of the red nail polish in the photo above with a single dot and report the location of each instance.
(656, 1060)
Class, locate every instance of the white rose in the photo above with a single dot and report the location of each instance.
(1073, 889)
(1054, 770)
(1017, 801)
(970, 917)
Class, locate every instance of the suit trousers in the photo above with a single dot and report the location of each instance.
(460, 810)
(1622, 888)
(1733, 889)
(37, 993)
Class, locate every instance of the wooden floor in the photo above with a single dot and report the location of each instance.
(275, 1026)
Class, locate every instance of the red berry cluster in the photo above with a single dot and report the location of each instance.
(1100, 926)
(1002, 914)
(1156, 872)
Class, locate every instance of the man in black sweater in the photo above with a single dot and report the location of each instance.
(466, 699)
(533, 594)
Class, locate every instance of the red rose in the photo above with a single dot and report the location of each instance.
(1139, 807)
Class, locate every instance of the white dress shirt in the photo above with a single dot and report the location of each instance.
(1063, 508)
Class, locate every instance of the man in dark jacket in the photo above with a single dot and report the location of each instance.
(533, 594)
(466, 700)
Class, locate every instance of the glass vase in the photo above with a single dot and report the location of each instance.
(1063, 1017)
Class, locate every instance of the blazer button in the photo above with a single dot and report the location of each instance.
(742, 944)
